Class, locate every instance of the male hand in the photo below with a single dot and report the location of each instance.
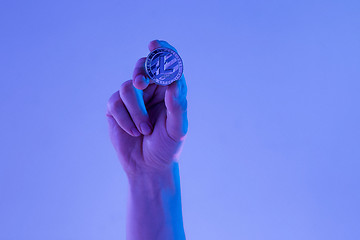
(140, 103)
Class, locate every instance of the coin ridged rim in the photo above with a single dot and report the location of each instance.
(148, 65)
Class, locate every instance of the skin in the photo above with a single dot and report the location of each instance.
(150, 157)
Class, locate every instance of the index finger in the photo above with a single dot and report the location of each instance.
(158, 44)
(140, 78)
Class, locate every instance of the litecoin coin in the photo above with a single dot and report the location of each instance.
(164, 66)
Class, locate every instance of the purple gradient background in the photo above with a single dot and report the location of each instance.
(273, 149)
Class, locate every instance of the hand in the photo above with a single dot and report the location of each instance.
(141, 102)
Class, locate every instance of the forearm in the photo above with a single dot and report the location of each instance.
(154, 206)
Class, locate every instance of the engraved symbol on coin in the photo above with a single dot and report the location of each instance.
(164, 66)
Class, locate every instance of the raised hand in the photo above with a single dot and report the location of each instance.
(148, 122)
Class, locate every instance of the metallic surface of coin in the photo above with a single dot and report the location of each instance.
(164, 66)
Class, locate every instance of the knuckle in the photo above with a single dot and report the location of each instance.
(183, 105)
(154, 43)
(117, 104)
(140, 61)
(114, 102)
(109, 106)
(125, 88)
(113, 106)
(113, 98)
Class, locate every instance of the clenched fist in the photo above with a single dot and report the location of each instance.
(148, 122)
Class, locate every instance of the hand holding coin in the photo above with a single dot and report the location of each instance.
(148, 124)
(148, 115)
(164, 66)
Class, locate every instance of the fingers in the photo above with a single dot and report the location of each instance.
(117, 111)
(134, 103)
(140, 79)
(127, 107)
(176, 109)
(175, 101)
(159, 43)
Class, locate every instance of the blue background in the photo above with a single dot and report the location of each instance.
(273, 148)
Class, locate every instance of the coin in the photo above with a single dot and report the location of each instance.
(164, 66)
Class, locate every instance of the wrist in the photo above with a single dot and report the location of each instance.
(154, 207)
(150, 183)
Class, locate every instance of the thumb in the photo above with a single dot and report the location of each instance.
(176, 109)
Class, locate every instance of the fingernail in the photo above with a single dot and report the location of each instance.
(145, 128)
(135, 132)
